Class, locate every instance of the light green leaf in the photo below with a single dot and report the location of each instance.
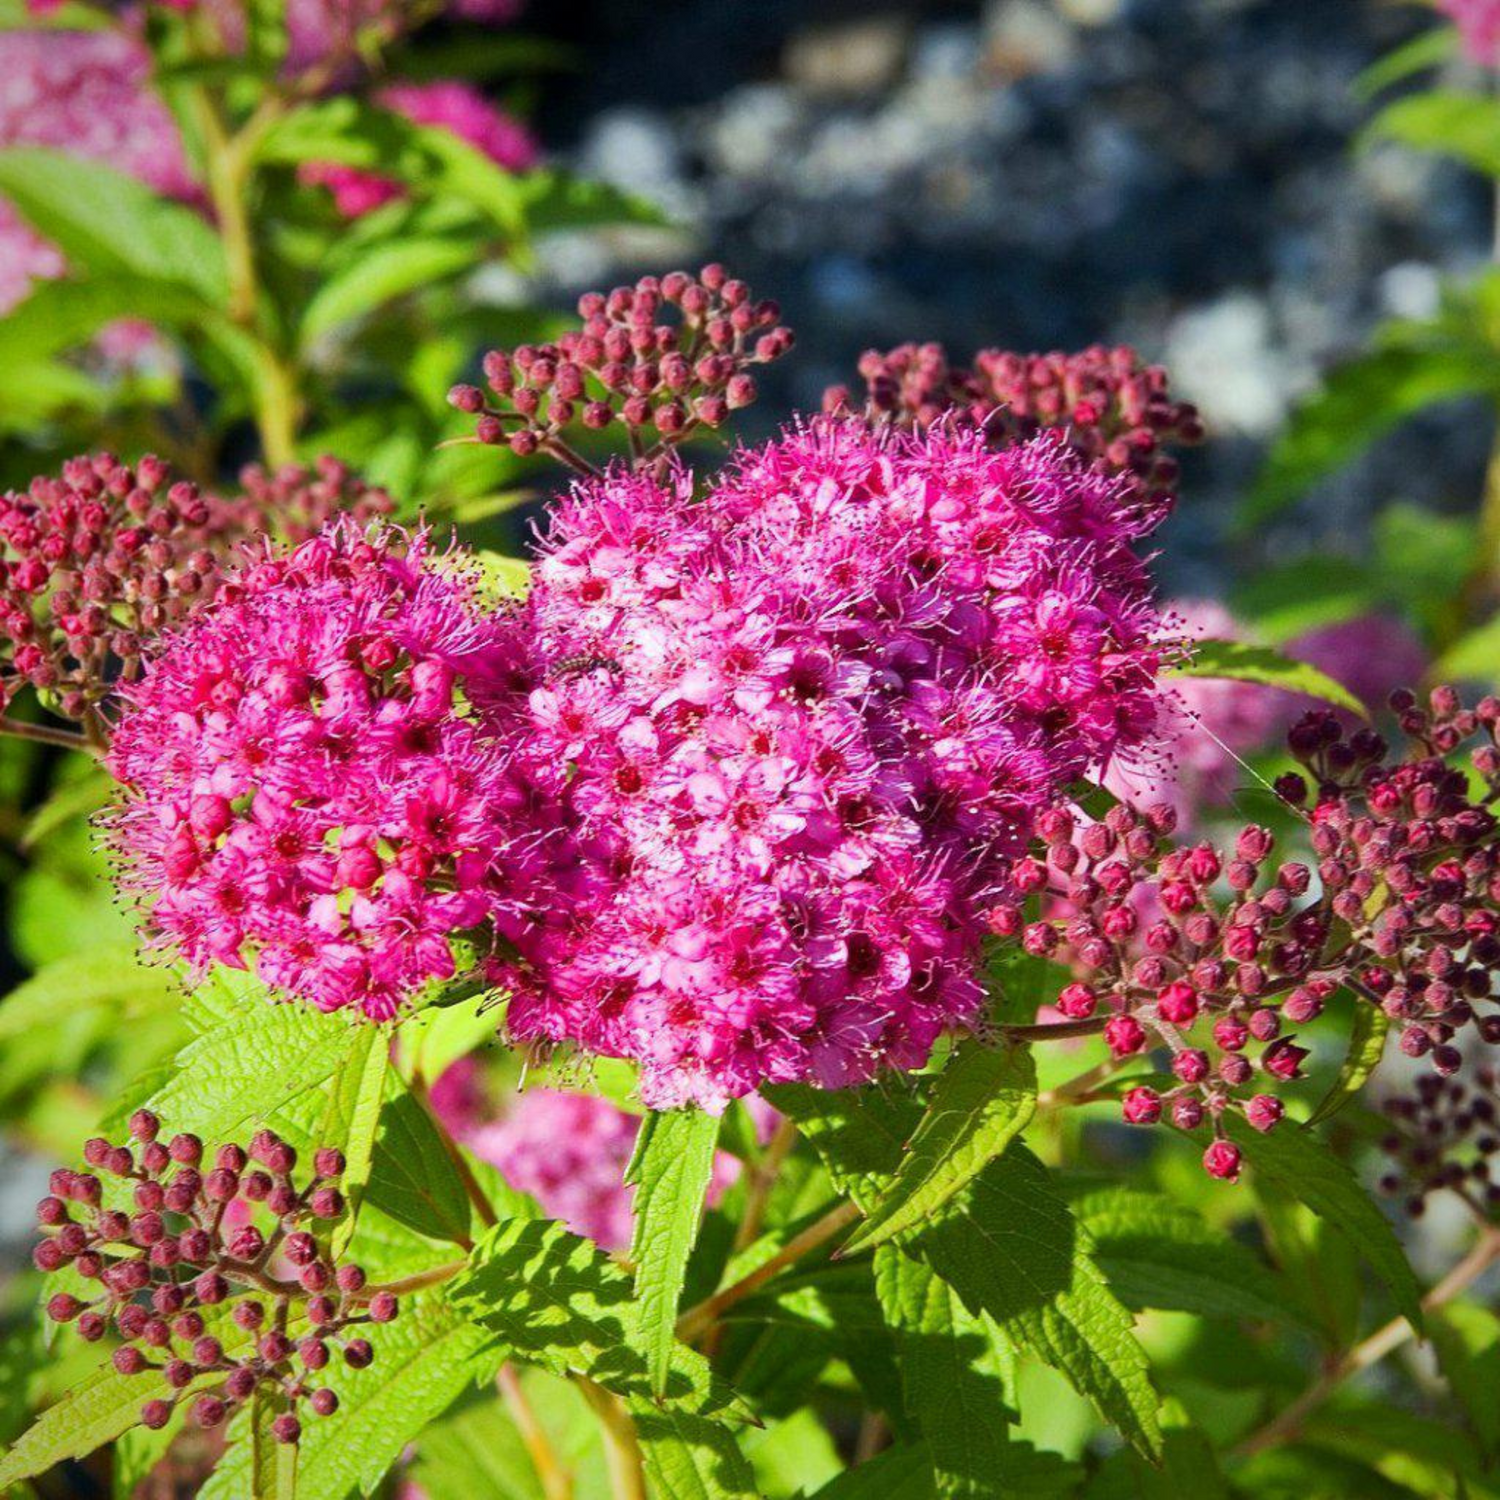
(1297, 1163)
(982, 1101)
(1474, 657)
(251, 1056)
(1367, 1034)
(351, 1118)
(77, 797)
(1428, 49)
(1467, 1339)
(558, 1301)
(1465, 127)
(510, 577)
(61, 315)
(556, 201)
(903, 1472)
(109, 224)
(273, 1465)
(1358, 402)
(109, 978)
(380, 275)
(671, 1168)
(1158, 1253)
(1241, 662)
(475, 1453)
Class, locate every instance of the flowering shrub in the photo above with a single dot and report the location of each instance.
(691, 1000)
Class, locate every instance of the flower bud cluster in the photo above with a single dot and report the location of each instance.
(211, 1268)
(663, 358)
(1112, 408)
(1218, 956)
(293, 503)
(1444, 1135)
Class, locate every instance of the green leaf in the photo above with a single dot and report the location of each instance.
(1367, 1036)
(110, 224)
(1428, 49)
(671, 1168)
(1008, 1246)
(1282, 602)
(510, 577)
(1360, 401)
(379, 276)
(273, 1465)
(1297, 1163)
(424, 1360)
(558, 1301)
(109, 979)
(691, 1457)
(1188, 1467)
(1474, 657)
(1467, 1339)
(1242, 662)
(63, 314)
(412, 1174)
(1465, 127)
(98, 1409)
(556, 201)
(475, 1453)
(351, 1119)
(251, 1056)
(1158, 1253)
(903, 1472)
(77, 797)
(981, 1102)
(957, 1374)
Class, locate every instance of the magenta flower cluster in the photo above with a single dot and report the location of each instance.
(796, 726)
(307, 789)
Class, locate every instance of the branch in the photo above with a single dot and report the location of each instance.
(46, 734)
(622, 1449)
(557, 1482)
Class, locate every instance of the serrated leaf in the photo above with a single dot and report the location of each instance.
(1301, 1166)
(1007, 1245)
(379, 275)
(98, 1409)
(903, 1472)
(412, 1175)
(351, 1120)
(982, 1101)
(108, 978)
(558, 1301)
(251, 1057)
(1158, 1253)
(691, 1457)
(1465, 127)
(671, 1169)
(1358, 402)
(110, 223)
(1239, 661)
(1367, 1036)
(424, 1360)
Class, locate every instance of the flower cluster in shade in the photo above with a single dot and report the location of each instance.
(1445, 1137)
(797, 726)
(308, 789)
(1398, 908)
(443, 104)
(1115, 410)
(567, 1150)
(1213, 723)
(87, 93)
(1478, 23)
(100, 559)
(164, 1238)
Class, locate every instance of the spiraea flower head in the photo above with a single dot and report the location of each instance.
(307, 790)
(212, 1269)
(798, 726)
(443, 104)
(1116, 411)
(293, 503)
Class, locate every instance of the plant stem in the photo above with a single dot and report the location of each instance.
(696, 1319)
(763, 1177)
(418, 1281)
(1054, 1031)
(557, 1482)
(46, 734)
(1288, 1422)
(622, 1449)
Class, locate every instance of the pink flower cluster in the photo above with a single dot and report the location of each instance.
(446, 105)
(1478, 23)
(307, 791)
(797, 726)
(87, 93)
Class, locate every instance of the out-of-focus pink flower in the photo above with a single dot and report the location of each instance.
(1371, 655)
(1478, 23)
(87, 93)
(445, 105)
(1216, 721)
